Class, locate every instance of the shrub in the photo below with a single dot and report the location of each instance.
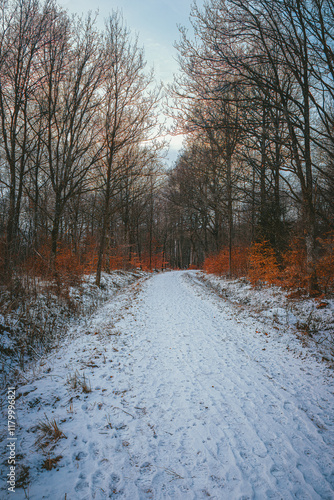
(260, 265)
(76, 380)
(68, 269)
(219, 263)
(48, 433)
(294, 275)
(325, 264)
(263, 266)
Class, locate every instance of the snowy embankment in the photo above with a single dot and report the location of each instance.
(169, 392)
(37, 318)
(310, 322)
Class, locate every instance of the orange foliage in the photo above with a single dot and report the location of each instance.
(38, 264)
(116, 262)
(260, 265)
(120, 259)
(148, 262)
(135, 261)
(219, 263)
(88, 252)
(325, 264)
(294, 274)
(240, 256)
(157, 261)
(263, 266)
(116, 258)
(68, 269)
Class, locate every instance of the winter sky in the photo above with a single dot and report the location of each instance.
(156, 24)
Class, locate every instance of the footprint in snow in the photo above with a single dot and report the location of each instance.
(82, 484)
(97, 478)
(79, 456)
(277, 471)
(260, 450)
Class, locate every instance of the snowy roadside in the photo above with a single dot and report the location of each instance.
(41, 319)
(51, 388)
(311, 321)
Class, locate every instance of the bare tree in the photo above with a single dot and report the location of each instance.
(280, 55)
(294, 40)
(22, 30)
(208, 100)
(69, 102)
(128, 112)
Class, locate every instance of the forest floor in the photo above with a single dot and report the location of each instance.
(171, 392)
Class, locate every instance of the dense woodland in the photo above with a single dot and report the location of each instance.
(83, 182)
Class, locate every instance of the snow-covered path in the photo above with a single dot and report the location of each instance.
(222, 420)
(189, 403)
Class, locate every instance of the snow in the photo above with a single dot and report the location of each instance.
(42, 318)
(192, 397)
(309, 320)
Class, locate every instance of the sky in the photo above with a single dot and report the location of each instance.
(155, 22)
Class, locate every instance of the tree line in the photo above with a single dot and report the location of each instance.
(79, 155)
(255, 98)
(82, 178)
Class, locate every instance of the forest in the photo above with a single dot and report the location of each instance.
(84, 185)
(167, 327)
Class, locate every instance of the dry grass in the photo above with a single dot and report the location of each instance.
(49, 433)
(51, 463)
(75, 380)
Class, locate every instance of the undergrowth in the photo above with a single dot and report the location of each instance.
(289, 270)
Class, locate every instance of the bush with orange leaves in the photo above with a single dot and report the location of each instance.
(263, 266)
(325, 264)
(88, 254)
(294, 275)
(259, 264)
(68, 268)
(116, 262)
(157, 261)
(219, 263)
(134, 262)
(240, 261)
